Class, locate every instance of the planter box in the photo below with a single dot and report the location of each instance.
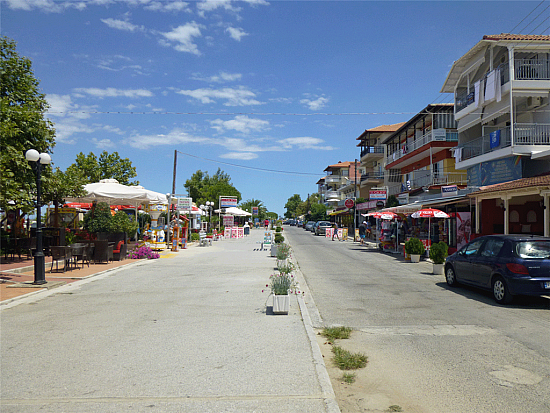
(274, 248)
(438, 269)
(415, 258)
(281, 304)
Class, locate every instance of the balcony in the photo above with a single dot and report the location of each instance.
(438, 178)
(336, 179)
(529, 134)
(372, 152)
(372, 177)
(449, 136)
(333, 195)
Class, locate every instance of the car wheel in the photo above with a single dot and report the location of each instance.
(450, 276)
(500, 291)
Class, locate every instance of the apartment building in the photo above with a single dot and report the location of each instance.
(418, 157)
(501, 89)
(339, 183)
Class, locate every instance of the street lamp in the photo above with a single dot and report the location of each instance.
(208, 207)
(40, 159)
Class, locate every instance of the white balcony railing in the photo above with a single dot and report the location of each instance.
(336, 195)
(524, 134)
(450, 136)
(335, 179)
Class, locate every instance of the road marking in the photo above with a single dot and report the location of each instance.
(429, 330)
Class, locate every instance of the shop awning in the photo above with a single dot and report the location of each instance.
(339, 212)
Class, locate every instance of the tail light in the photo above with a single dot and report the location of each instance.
(517, 268)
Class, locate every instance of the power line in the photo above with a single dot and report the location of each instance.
(511, 31)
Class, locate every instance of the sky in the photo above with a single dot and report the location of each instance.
(270, 92)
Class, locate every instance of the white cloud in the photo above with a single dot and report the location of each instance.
(103, 143)
(183, 36)
(316, 104)
(242, 156)
(232, 96)
(241, 123)
(209, 5)
(305, 142)
(175, 137)
(122, 25)
(236, 33)
(112, 92)
(221, 78)
(168, 6)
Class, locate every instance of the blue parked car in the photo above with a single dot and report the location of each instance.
(507, 265)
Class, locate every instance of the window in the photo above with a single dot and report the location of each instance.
(533, 249)
(492, 247)
(473, 248)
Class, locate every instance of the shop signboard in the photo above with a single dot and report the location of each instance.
(185, 204)
(228, 221)
(439, 134)
(403, 198)
(495, 172)
(378, 194)
(449, 190)
(349, 203)
(367, 205)
(228, 202)
(255, 211)
(463, 228)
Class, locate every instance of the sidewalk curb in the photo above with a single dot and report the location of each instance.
(46, 292)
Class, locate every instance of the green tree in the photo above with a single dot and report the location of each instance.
(392, 201)
(292, 205)
(60, 185)
(23, 126)
(247, 206)
(98, 219)
(107, 166)
(318, 212)
(203, 187)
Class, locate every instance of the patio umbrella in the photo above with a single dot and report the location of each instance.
(429, 213)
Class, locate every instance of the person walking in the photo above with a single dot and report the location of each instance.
(362, 231)
(369, 229)
(335, 231)
(266, 224)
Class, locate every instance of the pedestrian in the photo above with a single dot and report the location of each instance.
(362, 231)
(335, 231)
(266, 223)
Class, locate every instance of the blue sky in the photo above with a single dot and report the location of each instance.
(280, 85)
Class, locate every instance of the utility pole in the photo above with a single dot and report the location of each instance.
(170, 197)
(355, 203)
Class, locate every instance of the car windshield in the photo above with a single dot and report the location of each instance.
(533, 249)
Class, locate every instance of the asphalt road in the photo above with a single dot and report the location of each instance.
(439, 349)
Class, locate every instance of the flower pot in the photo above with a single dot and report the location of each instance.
(415, 257)
(281, 263)
(438, 269)
(281, 304)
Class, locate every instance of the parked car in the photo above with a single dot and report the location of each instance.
(299, 224)
(309, 225)
(321, 227)
(507, 265)
(292, 222)
(314, 226)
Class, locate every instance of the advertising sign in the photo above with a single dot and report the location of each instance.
(449, 190)
(228, 221)
(227, 202)
(185, 204)
(378, 194)
(255, 211)
(349, 203)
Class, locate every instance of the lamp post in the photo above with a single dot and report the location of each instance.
(208, 207)
(40, 159)
(169, 196)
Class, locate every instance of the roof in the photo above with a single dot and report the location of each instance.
(379, 129)
(346, 164)
(489, 40)
(508, 36)
(536, 181)
(431, 108)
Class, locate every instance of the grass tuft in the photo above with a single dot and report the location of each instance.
(348, 378)
(346, 360)
(395, 408)
(336, 333)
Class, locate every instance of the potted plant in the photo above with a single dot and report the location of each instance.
(283, 253)
(281, 285)
(415, 249)
(438, 253)
(278, 240)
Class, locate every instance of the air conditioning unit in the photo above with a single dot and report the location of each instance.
(533, 102)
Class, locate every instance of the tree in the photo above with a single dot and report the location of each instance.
(203, 187)
(249, 204)
(108, 166)
(392, 201)
(318, 212)
(60, 185)
(23, 126)
(291, 206)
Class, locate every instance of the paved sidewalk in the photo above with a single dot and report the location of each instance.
(190, 332)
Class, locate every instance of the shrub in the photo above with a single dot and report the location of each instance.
(143, 252)
(414, 247)
(98, 219)
(281, 284)
(283, 251)
(195, 236)
(438, 252)
(279, 238)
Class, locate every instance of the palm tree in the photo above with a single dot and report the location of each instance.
(248, 204)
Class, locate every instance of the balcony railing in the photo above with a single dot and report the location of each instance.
(372, 176)
(372, 150)
(450, 136)
(333, 195)
(524, 134)
(335, 179)
(438, 178)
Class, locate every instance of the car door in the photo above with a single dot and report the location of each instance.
(466, 262)
(486, 261)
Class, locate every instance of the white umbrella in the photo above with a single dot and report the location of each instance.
(110, 191)
(234, 211)
(154, 197)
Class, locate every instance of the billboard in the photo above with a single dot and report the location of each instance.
(378, 194)
(228, 201)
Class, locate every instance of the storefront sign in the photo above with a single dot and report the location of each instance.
(495, 172)
(255, 211)
(377, 194)
(227, 202)
(228, 220)
(185, 204)
(367, 205)
(349, 203)
(449, 190)
(403, 199)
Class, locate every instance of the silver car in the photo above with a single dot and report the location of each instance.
(321, 227)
